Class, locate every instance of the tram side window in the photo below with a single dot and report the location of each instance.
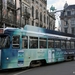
(8, 42)
(72, 45)
(67, 44)
(24, 42)
(57, 44)
(43, 43)
(33, 42)
(63, 44)
(50, 43)
(16, 41)
(4, 42)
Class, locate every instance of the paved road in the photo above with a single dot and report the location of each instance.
(65, 68)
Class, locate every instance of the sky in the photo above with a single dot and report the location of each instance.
(59, 5)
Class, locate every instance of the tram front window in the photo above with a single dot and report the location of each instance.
(4, 41)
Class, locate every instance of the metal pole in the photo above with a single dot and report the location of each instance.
(15, 15)
(20, 12)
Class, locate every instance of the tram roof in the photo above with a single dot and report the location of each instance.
(43, 30)
(39, 30)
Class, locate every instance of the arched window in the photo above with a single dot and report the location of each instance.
(73, 21)
(10, 15)
(47, 19)
(36, 13)
(32, 11)
(44, 19)
(40, 16)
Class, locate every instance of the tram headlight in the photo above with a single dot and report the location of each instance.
(7, 58)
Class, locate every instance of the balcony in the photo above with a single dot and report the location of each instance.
(8, 21)
(11, 5)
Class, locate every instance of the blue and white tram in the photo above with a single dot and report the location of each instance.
(31, 46)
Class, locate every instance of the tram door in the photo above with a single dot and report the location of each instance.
(51, 55)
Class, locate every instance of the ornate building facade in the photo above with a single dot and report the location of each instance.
(18, 13)
(14, 13)
(68, 19)
(40, 16)
(8, 13)
(25, 12)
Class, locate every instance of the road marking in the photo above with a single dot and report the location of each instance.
(22, 72)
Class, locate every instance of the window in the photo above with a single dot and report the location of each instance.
(72, 45)
(73, 12)
(44, 19)
(43, 43)
(45, 8)
(72, 30)
(36, 14)
(12, 1)
(47, 19)
(65, 30)
(40, 16)
(68, 44)
(63, 44)
(33, 0)
(32, 11)
(32, 23)
(50, 43)
(68, 13)
(26, 9)
(37, 24)
(33, 42)
(4, 41)
(57, 44)
(73, 21)
(40, 5)
(7, 42)
(65, 13)
(66, 22)
(16, 41)
(37, 2)
(11, 15)
(24, 42)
